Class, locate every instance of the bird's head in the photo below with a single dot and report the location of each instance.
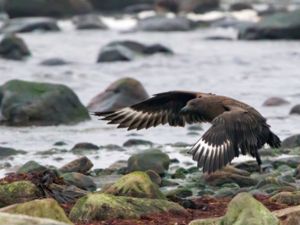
(192, 106)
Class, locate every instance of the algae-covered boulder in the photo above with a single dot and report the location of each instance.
(32, 167)
(14, 48)
(45, 208)
(11, 219)
(79, 180)
(121, 93)
(58, 8)
(289, 198)
(137, 184)
(104, 206)
(26, 103)
(17, 192)
(153, 159)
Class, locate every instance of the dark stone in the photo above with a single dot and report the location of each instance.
(277, 26)
(138, 8)
(89, 21)
(295, 109)
(121, 93)
(54, 62)
(157, 48)
(22, 25)
(275, 101)
(115, 54)
(59, 143)
(79, 180)
(179, 193)
(83, 147)
(61, 8)
(199, 6)
(5, 152)
(13, 47)
(240, 6)
(117, 5)
(135, 142)
(32, 167)
(29, 103)
(80, 165)
(164, 24)
(291, 142)
(167, 6)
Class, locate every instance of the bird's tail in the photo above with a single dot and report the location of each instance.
(274, 140)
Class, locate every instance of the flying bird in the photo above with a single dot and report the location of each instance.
(237, 128)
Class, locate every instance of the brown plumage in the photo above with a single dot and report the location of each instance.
(236, 127)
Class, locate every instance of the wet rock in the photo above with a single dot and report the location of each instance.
(117, 5)
(249, 166)
(239, 6)
(26, 103)
(288, 198)
(137, 184)
(156, 48)
(13, 47)
(11, 219)
(164, 6)
(180, 173)
(5, 152)
(289, 216)
(112, 147)
(155, 178)
(152, 159)
(45, 208)
(80, 165)
(272, 185)
(121, 164)
(31, 167)
(103, 206)
(168, 183)
(135, 142)
(54, 62)
(291, 142)
(242, 178)
(199, 6)
(164, 24)
(179, 193)
(60, 143)
(63, 8)
(121, 93)
(115, 54)
(275, 101)
(88, 21)
(84, 147)
(22, 25)
(292, 162)
(18, 192)
(79, 180)
(295, 109)
(136, 8)
(278, 26)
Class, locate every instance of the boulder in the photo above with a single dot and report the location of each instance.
(288, 198)
(80, 165)
(44, 208)
(13, 47)
(26, 103)
(137, 184)
(295, 110)
(239, 6)
(291, 142)
(88, 22)
(275, 101)
(117, 5)
(11, 219)
(22, 25)
(32, 167)
(115, 54)
(54, 62)
(278, 26)
(164, 24)
(79, 180)
(83, 147)
(104, 206)
(18, 192)
(121, 93)
(61, 8)
(5, 152)
(152, 159)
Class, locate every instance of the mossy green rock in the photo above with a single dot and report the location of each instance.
(13, 47)
(99, 206)
(32, 167)
(29, 103)
(45, 208)
(11, 219)
(243, 210)
(18, 192)
(289, 198)
(137, 184)
(153, 159)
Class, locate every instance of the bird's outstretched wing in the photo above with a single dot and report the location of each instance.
(234, 131)
(162, 108)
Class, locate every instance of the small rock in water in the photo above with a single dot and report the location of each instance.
(32, 167)
(152, 159)
(115, 54)
(5, 152)
(121, 93)
(88, 21)
(137, 184)
(80, 165)
(54, 62)
(112, 147)
(135, 142)
(295, 110)
(30, 24)
(291, 142)
(14, 48)
(239, 6)
(59, 143)
(80, 148)
(79, 180)
(275, 101)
